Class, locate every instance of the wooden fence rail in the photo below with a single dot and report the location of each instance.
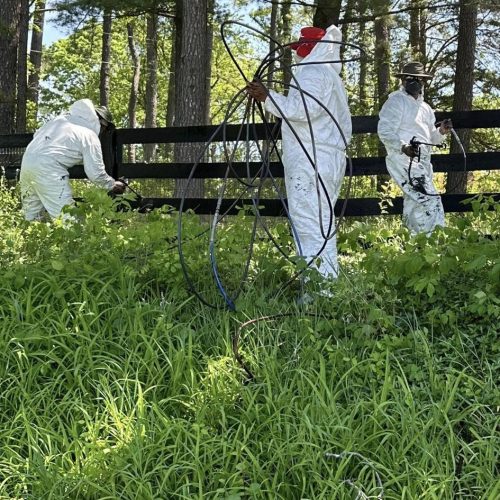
(114, 144)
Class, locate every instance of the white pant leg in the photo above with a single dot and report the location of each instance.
(304, 208)
(56, 195)
(44, 188)
(32, 206)
(421, 212)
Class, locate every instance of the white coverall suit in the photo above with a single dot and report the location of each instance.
(403, 117)
(61, 143)
(323, 82)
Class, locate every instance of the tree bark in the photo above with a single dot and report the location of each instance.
(191, 84)
(209, 44)
(22, 68)
(327, 12)
(346, 27)
(382, 68)
(417, 39)
(273, 33)
(36, 55)
(456, 182)
(105, 75)
(134, 88)
(363, 63)
(9, 42)
(286, 33)
(151, 81)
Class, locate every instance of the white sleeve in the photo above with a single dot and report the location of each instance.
(298, 106)
(390, 123)
(436, 136)
(94, 164)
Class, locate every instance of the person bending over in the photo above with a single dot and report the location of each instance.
(60, 144)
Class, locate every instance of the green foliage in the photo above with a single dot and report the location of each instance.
(72, 66)
(116, 383)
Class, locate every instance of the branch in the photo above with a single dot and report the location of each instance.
(363, 19)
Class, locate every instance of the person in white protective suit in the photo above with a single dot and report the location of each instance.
(404, 119)
(311, 128)
(61, 143)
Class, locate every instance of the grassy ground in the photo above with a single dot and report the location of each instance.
(115, 382)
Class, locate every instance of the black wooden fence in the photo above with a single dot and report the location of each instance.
(113, 145)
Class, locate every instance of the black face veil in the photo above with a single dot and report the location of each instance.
(413, 86)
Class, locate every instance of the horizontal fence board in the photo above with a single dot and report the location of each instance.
(15, 140)
(355, 207)
(113, 146)
(361, 166)
(361, 124)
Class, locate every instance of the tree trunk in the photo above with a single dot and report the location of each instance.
(152, 80)
(273, 33)
(22, 67)
(134, 89)
(422, 41)
(36, 56)
(191, 85)
(418, 30)
(327, 12)
(363, 63)
(9, 42)
(382, 68)
(105, 59)
(456, 182)
(414, 30)
(346, 27)
(286, 33)
(209, 44)
(170, 111)
(363, 106)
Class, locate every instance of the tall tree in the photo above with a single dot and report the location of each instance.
(418, 30)
(151, 107)
(382, 64)
(9, 44)
(456, 182)
(106, 58)
(286, 33)
(22, 67)
(36, 55)
(273, 33)
(134, 87)
(192, 75)
(173, 70)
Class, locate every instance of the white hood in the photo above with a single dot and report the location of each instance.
(323, 52)
(83, 113)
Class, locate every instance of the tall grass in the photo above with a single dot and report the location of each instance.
(116, 383)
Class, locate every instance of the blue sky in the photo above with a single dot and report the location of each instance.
(51, 32)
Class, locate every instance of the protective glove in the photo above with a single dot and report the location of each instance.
(118, 187)
(446, 126)
(409, 150)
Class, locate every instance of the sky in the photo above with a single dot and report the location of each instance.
(51, 32)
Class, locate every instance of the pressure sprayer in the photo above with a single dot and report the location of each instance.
(418, 182)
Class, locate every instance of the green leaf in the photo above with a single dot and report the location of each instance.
(57, 265)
